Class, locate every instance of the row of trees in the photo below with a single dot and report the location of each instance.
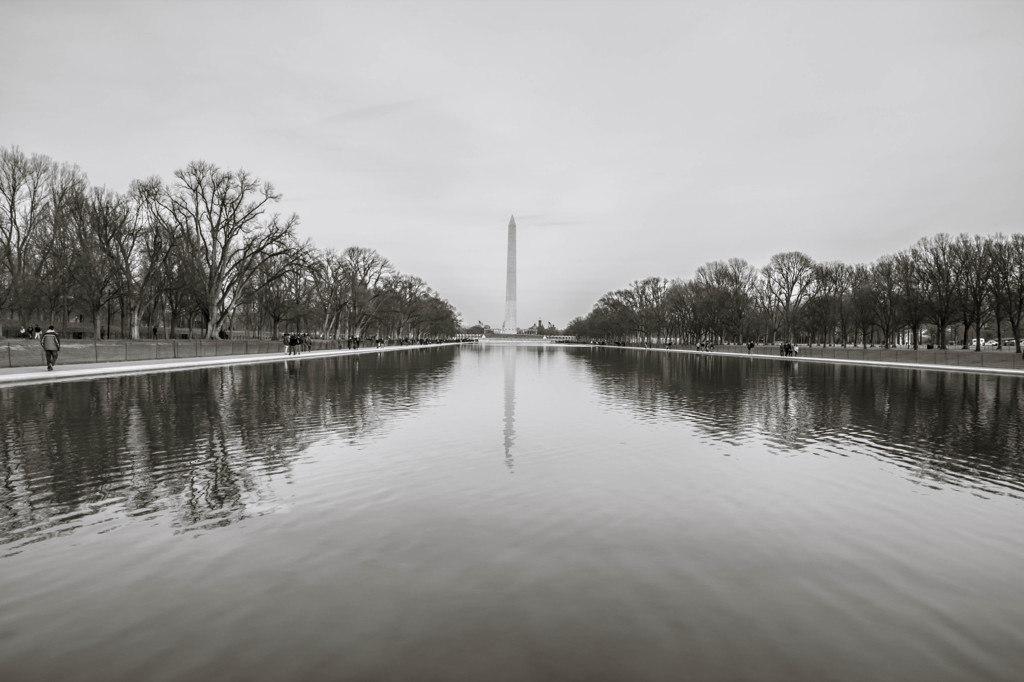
(205, 246)
(968, 282)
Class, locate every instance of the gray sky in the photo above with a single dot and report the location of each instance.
(629, 139)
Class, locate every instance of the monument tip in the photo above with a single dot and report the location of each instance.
(512, 221)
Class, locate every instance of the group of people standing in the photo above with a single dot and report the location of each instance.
(296, 343)
(788, 349)
(356, 342)
(30, 332)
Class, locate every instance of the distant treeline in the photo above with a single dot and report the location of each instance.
(971, 285)
(205, 247)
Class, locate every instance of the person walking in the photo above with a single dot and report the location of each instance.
(51, 346)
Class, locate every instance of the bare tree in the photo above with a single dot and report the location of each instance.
(275, 296)
(646, 300)
(613, 318)
(330, 295)
(863, 303)
(437, 318)
(730, 285)
(99, 215)
(1007, 259)
(221, 219)
(831, 300)
(1015, 255)
(66, 187)
(788, 280)
(680, 299)
(971, 256)
(887, 296)
(404, 306)
(139, 249)
(938, 270)
(363, 271)
(910, 278)
(23, 191)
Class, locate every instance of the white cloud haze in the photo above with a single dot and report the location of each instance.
(630, 139)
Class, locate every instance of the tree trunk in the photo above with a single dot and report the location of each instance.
(211, 325)
(999, 328)
(133, 314)
(97, 321)
(977, 327)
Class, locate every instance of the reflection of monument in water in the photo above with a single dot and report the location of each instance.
(509, 360)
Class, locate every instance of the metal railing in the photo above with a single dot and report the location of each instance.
(28, 353)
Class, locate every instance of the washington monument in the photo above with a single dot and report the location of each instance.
(510, 280)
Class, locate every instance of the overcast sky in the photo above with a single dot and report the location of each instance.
(630, 139)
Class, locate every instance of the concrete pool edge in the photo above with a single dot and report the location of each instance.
(22, 376)
(1003, 371)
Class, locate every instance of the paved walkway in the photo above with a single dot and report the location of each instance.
(14, 376)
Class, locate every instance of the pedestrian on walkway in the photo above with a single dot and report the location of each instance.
(51, 346)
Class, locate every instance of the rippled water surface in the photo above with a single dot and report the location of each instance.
(514, 513)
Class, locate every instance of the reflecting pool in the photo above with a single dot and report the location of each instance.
(514, 513)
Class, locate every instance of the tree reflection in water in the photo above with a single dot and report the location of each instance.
(943, 427)
(200, 444)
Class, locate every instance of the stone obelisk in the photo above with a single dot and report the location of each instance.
(510, 280)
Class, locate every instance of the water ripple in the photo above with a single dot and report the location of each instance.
(199, 448)
(961, 430)
(510, 514)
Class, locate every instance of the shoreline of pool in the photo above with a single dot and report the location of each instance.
(19, 376)
(911, 365)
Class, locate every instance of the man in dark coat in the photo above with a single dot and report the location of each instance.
(51, 346)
